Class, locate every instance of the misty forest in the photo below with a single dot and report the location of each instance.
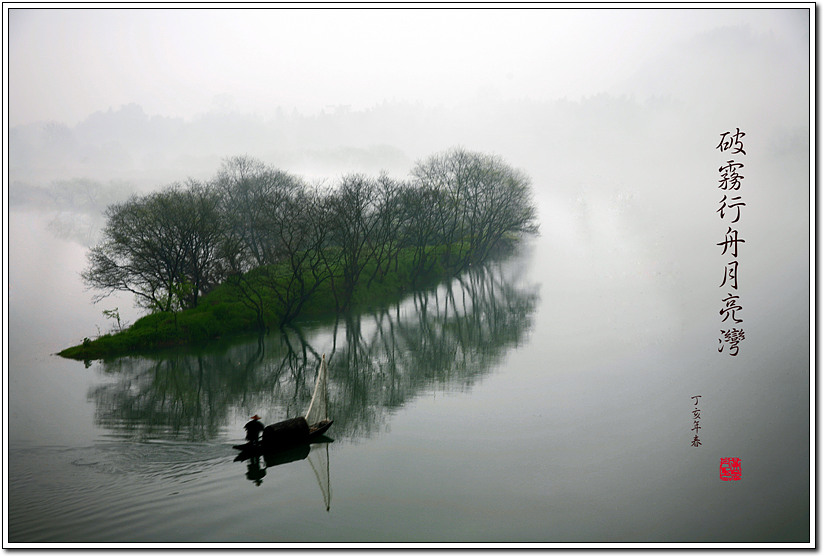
(256, 246)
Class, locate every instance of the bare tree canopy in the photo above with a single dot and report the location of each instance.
(277, 240)
(478, 201)
(162, 247)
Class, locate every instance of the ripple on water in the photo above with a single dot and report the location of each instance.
(110, 491)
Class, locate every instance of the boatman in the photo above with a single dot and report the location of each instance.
(253, 429)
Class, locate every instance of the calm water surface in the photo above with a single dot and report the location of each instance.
(545, 398)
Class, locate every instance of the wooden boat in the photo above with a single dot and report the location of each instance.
(297, 447)
(295, 431)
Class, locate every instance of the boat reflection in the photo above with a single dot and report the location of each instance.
(316, 453)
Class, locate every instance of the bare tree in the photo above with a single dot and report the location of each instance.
(419, 225)
(202, 240)
(158, 247)
(250, 191)
(386, 236)
(351, 216)
(260, 205)
(298, 225)
(479, 201)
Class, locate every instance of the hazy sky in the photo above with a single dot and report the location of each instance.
(65, 64)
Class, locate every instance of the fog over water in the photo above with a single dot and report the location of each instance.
(615, 114)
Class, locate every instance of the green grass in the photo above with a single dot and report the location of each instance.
(222, 312)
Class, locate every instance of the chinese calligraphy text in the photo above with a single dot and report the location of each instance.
(731, 180)
(696, 422)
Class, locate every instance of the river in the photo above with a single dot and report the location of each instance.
(544, 398)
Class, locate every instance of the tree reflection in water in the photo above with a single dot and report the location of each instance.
(446, 338)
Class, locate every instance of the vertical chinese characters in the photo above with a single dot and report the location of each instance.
(696, 422)
(729, 210)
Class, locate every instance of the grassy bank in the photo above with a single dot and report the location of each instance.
(229, 309)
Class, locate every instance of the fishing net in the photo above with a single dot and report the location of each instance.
(317, 407)
(319, 460)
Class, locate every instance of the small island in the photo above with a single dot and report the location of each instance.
(256, 247)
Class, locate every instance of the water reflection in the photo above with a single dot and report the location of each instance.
(447, 338)
(254, 472)
(316, 453)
